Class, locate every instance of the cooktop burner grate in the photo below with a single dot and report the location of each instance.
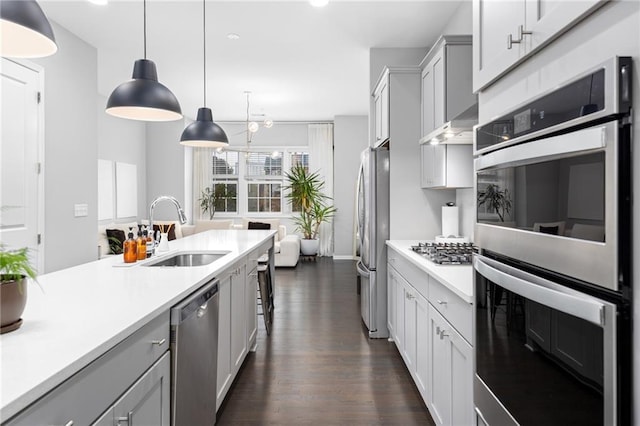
(446, 253)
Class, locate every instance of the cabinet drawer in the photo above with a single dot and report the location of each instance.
(418, 278)
(84, 396)
(453, 308)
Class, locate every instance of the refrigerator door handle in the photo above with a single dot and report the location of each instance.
(362, 271)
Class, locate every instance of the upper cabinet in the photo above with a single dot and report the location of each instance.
(446, 86)
(395, 106)
(507, 32)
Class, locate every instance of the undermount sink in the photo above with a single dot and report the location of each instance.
(200, 258)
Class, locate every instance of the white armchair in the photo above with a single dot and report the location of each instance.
(286, 247)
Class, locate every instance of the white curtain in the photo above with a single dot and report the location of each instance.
(202, 177)
(321, 160)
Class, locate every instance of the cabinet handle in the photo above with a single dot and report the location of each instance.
(438, 329)
(441, 302)
(69, 423)
(410, 296)
(521, 33)
(158, 342)
(126, 419)
(443, 335)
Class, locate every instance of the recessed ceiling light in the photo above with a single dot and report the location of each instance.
(100, 2)
(233, 36)
(319, 3)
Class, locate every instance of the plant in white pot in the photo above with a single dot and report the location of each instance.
(14, 271)
(305, 195)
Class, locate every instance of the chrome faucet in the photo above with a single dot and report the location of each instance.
(181, 216)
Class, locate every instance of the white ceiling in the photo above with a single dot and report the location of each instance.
(300, 62)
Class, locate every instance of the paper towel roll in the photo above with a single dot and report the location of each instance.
(450, 221)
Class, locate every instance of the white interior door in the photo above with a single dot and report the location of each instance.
(20, 147)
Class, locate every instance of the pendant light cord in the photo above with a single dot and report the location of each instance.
(204, 44)
(144, 8)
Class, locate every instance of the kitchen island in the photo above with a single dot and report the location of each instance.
(84, 312)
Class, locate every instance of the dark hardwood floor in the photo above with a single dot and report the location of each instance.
(318, 366)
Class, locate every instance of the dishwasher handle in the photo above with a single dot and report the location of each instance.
(195, 302)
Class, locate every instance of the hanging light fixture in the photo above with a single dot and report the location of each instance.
(25, 31)
(143, 97)
(204, 132)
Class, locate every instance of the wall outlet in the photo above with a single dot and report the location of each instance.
(81, 210)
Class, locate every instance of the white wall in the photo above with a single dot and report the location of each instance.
(612, 30)
(350, 139)
(461, 22)
(71, 146)
(398, 57)
(165, 167)
(124, 141)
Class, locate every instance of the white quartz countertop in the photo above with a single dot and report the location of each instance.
(458, 278)
(82, 312)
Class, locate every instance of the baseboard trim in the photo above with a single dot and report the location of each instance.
(342, 257)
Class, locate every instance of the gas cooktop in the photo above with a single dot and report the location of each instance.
(446, 253)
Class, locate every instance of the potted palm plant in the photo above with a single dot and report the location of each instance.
(14, 271)
(305, 195)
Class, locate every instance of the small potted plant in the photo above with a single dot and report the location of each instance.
(212, 197)
(14, 271)
(305, 194)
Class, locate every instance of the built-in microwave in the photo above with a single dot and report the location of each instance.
(553, 341)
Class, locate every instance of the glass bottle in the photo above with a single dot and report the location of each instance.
(130, 248)
(141, 244)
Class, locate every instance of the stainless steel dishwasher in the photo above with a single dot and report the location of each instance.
(194, 356)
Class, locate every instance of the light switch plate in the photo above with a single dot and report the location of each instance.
(81, 210)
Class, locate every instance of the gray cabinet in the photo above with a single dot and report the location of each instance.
(446, 166)
(232, 328)
(381, 112)
(432, 330)
(450, 395)
(85, 396)
(147, 402)
(446, 84)
(507, 32)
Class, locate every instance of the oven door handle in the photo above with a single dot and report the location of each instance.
(541, 290)
(590, 139)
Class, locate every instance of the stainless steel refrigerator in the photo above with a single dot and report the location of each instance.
(372, 232)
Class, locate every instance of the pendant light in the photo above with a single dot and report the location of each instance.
(143, 97)
(204, 132)
(25, 31)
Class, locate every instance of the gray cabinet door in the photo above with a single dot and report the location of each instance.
(147, 402)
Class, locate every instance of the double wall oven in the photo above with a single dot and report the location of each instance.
(553, 273)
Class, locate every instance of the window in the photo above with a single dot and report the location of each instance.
(225, 181)
(253, 183)
(264, 197)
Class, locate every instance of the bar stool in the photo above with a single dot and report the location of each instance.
(265, 292)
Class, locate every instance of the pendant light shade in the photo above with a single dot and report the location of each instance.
(143, 97)
(203, 132)
(25, 31)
